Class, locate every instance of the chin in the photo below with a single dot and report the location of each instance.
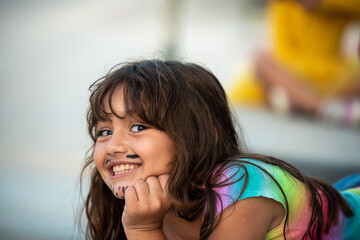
(118, 189)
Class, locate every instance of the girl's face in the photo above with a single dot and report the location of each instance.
(127, 149)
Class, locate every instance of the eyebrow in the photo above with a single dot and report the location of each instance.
(109, 115)
(116, 115)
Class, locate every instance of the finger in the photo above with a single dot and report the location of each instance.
(142, 189)
(164, 180)
(154, 185)
(131, 197)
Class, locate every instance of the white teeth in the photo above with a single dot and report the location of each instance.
(122, 168)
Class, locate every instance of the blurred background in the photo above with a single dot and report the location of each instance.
(51, 51)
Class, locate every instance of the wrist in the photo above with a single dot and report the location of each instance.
(150, 234)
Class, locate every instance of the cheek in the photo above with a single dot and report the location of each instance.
(99, 156)
(164, 153)
(158, 153)
(169, 147)
(99, 160)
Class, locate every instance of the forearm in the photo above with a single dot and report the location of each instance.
(156, 234)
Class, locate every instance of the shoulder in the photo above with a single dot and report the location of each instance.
(244, 210)
(248, 196)
(251, 178)
(250, 218)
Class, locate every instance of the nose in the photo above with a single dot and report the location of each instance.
(117, 144)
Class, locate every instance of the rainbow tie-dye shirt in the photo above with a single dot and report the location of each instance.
(261, 185)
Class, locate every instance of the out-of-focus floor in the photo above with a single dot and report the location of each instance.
(51, 51)
(319, 149)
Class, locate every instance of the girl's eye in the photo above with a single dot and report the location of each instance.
(103, 133)
(138, 128)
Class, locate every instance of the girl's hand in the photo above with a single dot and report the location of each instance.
(146, 204)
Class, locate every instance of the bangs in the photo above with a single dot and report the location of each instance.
(134, 106)
(142, 103)
(138, 102)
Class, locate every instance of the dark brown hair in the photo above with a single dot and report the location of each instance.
(187, 102)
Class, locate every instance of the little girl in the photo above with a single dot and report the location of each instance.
(169, 165)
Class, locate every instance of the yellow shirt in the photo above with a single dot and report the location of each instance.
(308, 43)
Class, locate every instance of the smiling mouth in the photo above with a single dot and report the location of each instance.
(122, 168)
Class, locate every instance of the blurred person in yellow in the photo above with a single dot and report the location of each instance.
(305, 69)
